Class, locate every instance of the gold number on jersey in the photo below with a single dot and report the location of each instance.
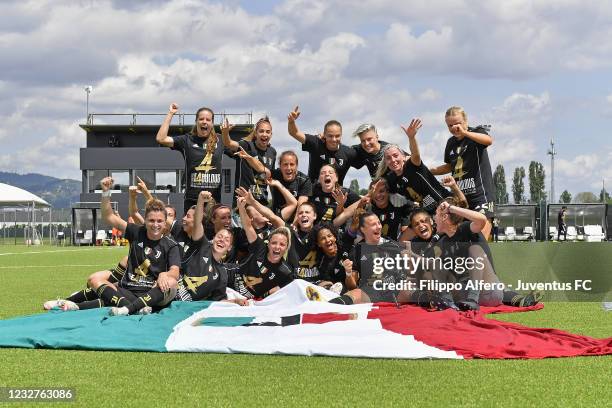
(206, 164)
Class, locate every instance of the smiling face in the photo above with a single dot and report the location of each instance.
(332, 135)
(395, 159)
(422, 226)
(222, 218)
(171, 214)
(263, 134)
(188, 220)
(326, 240)
(328, 178)
(381, 195)
(204, 123)
(288, 167)
(371, 229)
(369, 141)
(155, 223)
(222, 242)
(277, 247)
(306, 216)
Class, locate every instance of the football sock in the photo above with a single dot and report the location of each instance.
(111, 297)
(90, 304)
(116, 273)
(151, 298)
(83, 296)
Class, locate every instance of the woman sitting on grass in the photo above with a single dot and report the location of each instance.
(462, 239)
(153, 262)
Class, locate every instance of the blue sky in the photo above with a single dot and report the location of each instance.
(531, 70)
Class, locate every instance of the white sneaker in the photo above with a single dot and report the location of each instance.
(119, 311)
(145, 310)
(336, 288)
(66, 305)
(52, 304)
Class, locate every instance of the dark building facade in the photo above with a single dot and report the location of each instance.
(125, 152)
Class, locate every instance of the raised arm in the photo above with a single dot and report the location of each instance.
(292, 127)
(162, 134)
(441, 169)
(198, 227)
(290, 201)
(108, 214)
(351, 275)
(450, 182)
(142, 187)
(226, 127)
(348, 212)
(478, 220)
(276, 221)
(411, 131)
(460, 129)
(254, 162)
(250, 232)
(133, 206)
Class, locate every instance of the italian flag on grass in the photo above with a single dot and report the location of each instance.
(298, 320)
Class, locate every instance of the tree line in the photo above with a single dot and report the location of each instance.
(537, 188)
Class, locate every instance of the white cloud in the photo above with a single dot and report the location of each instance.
(382, 62)
(430, 95)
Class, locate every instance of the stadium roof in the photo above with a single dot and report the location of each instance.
(17, 197)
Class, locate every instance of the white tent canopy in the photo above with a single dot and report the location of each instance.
(17, 197)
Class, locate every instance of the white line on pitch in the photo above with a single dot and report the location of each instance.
(51, 266)
(53, 252)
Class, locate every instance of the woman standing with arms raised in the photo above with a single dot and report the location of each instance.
(203, 153)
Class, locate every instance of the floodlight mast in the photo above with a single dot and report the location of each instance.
(88, 90)
(552, 152)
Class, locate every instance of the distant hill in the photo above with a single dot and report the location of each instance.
(60, 193)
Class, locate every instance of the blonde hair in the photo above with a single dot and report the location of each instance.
(382, 166)
(364, 128)
(454, 110)
(286, 232)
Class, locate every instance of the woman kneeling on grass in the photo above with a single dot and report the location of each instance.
(153, 262)
(265, 270)
(203, 273)
(462, 239)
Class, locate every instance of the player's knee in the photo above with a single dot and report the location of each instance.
(97, 278)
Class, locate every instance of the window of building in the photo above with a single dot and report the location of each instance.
(165, 181)
(148, 176)
(121, 179)
(93, 180)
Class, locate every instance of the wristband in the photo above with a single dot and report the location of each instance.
(348, 273)
(106, 193)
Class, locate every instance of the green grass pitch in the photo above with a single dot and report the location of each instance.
(29, 276)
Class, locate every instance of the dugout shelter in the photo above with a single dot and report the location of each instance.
(518, 222)
(584, 221)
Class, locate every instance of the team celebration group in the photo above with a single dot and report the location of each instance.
(284, 225)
